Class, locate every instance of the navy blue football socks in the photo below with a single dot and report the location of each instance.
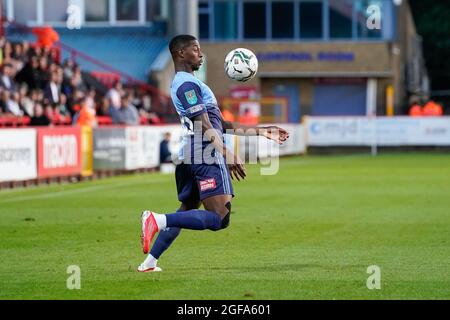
(195, 220)
(192, 219)
(164, 240)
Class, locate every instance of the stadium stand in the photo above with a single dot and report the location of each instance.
(112, 46)
(63, 79)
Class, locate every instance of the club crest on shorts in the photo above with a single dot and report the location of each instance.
(207, 184)
(191, 97)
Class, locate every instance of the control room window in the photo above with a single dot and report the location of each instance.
(203, 20)
(152, 10)
(55, 10)
(282, 19)
(96, 10)
(225, 20)
(341, 13)
(255, 20)
(127, 10)
(25, 11)
(311, 20)
(362, 16)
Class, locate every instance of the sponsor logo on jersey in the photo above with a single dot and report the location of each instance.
(207, 184)
(195, 109)
(191, 97)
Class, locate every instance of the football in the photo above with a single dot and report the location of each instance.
(241, 64)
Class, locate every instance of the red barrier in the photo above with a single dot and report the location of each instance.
(13, 121)
(59, 151)
(104, 120)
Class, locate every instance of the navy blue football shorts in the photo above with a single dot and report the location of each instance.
(200, 181)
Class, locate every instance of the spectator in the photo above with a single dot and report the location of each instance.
(147, 102)
(6, 80)
(90, 98)
(68, 67)
(136, 99)
(127, 114)
(86, 115)
(39, 95)
(53, 89)
(26, 49)
(432, 109)
(52, 55)
(415, 110)
(30, 73)
(19, 56)
(13, 105)
(36, 51)
(49, 111)
(76, 81)
(53, 68)
(165, 156)
(114, 94)
(25, 101)
(39, 118)
(4, 98)
(76, 98)
(61, 106)
(104, 107)
(7, 53)
(42, 74)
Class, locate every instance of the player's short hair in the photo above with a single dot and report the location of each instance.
(179, 42)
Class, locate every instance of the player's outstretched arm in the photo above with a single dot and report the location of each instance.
(234, 163)
(274, 133)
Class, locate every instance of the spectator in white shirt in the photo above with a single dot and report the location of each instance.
(12, 105)
(114, 94)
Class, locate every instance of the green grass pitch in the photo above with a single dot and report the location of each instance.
(309, 232)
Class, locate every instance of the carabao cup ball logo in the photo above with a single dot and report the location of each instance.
(241, 64)
(191, 97)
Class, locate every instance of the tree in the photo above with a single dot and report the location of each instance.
(432, 18)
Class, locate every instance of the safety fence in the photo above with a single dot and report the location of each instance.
(380, 131)
(38, 153)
